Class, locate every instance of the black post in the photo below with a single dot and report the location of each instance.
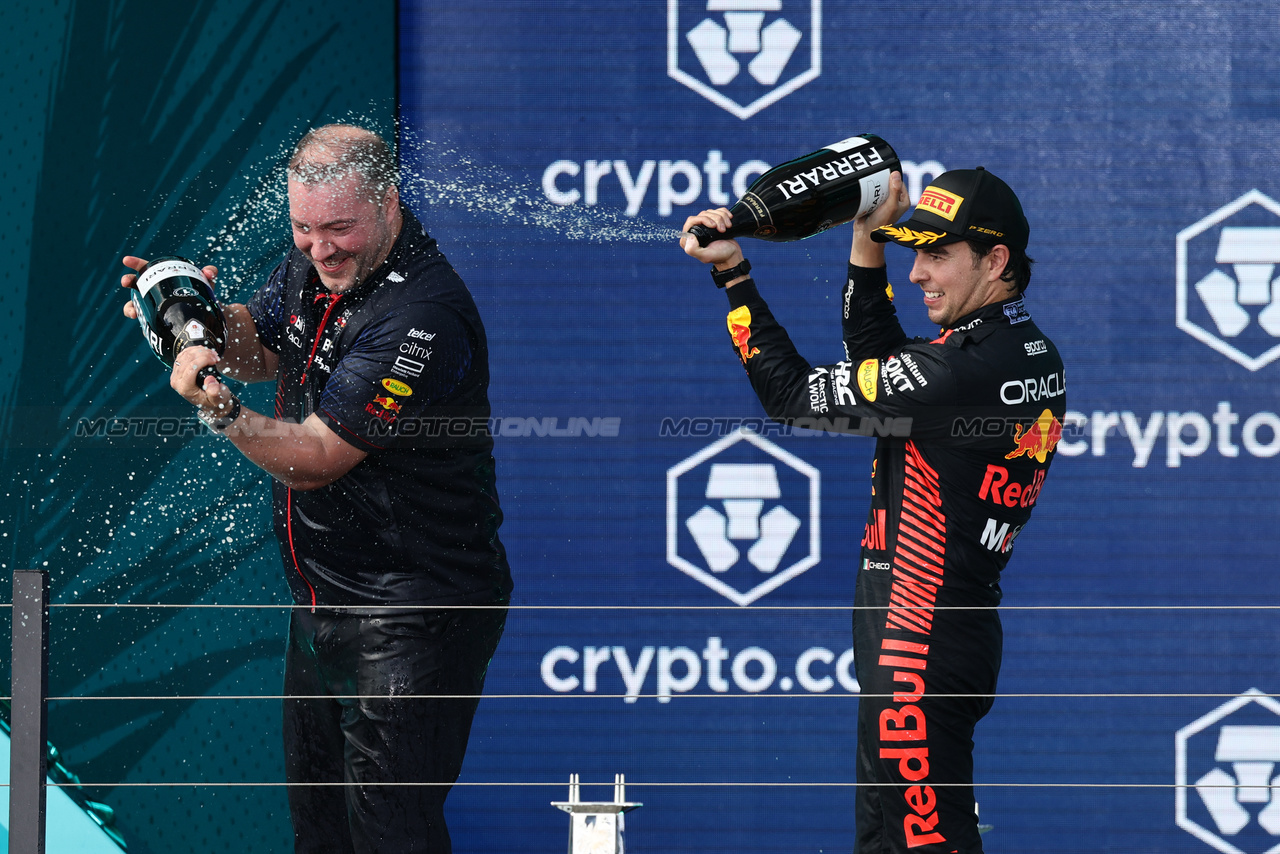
(28, 756)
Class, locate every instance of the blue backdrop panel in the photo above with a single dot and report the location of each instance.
(555, 149)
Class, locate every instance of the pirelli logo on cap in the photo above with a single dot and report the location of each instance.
(940, 202)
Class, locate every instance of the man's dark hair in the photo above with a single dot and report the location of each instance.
(1017, 270)
(332, 152)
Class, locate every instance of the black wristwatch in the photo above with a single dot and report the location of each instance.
(724, 277)
(216, 424)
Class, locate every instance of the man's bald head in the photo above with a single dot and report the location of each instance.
(344, 205)
(333, 152)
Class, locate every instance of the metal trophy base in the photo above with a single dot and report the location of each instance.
(596, 827)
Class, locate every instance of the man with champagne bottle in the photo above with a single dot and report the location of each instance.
(967, 423)
(384, 531)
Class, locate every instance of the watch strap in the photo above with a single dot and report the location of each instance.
(219, 424)
(724, 277)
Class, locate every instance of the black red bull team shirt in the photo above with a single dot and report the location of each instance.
(398, 367)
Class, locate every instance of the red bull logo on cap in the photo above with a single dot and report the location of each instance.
(739, 321)
(1039, 440)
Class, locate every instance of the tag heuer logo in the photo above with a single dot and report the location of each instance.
(744, 55)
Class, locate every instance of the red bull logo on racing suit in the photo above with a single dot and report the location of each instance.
(739, 321)
(1038, 440)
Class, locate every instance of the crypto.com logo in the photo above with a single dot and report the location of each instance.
(744, 501)
(1229, 260)
(1229, 757)
(735, 52)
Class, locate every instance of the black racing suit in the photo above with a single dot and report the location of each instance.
(967, 426)
(397, 367)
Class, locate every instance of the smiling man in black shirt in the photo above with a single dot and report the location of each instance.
(385, 500)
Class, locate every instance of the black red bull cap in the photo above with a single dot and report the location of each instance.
(963, 204)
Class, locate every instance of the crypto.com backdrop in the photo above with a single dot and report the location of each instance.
(692, 581)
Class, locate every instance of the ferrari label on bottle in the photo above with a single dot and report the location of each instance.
(758, 209)
(808, 195)
(819, 175)
(163, 270)
(846, 144)
(875, 189)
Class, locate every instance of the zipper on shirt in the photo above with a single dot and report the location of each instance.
(333, 301)
(315, 345)
(292, 553)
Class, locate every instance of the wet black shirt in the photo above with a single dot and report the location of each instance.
(398, 367)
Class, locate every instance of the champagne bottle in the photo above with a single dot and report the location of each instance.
(813, 193)
(177, 309)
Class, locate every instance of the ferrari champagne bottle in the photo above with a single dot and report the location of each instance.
(177, 308)
(813, 193)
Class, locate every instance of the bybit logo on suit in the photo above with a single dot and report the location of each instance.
(744, 55)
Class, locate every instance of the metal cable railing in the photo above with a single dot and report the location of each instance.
(28, 776)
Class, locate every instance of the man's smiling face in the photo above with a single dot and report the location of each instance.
(956, 281)
(342, 228)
